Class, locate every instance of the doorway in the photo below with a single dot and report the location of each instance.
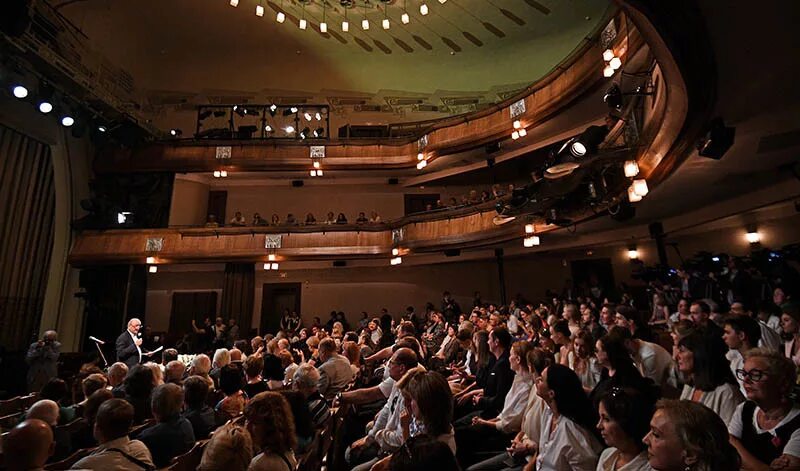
(217, 200)
(594, 277)
(275, 298)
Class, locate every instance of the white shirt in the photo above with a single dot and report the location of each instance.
(769, 337)
(510, 418)
(532, 421)
(723, 400)
(569, 448)
(387, 431)
(653, 361)
(447, 339)
(101, 458)
(608, 462)
(591, 375)
(135, 338)
(774, 323)
(792, 447)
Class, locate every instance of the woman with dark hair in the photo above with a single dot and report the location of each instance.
(624, 421)
(422, 452)
(686, 436)
(231, 383)
(709, 380)
(387, 337)
(477, 368)
(560, 334)
(57, 391)
(341, 219)
(139, 386)
(434, 332)
(618, 368)
(429, 406)
(567, 441)
(271, 424)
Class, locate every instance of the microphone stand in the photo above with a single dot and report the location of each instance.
(105, 362)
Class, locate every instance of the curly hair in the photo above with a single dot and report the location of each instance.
(229, 448)
(272, 413)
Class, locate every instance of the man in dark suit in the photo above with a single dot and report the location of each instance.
(129, 344)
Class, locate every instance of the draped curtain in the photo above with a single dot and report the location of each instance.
(238, 293)
(27, 211)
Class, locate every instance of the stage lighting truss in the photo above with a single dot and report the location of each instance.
(263, 121)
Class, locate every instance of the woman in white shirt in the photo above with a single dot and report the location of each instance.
(709, 380)
(624, 421)
(582, 361)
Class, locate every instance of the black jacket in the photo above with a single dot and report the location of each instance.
(126, 350)
(498, 383)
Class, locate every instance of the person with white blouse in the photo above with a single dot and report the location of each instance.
(624, 421)
(709, 381)
(582, 361)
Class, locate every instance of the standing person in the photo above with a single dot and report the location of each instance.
(129, 344)
(233, 332)
(42, 359)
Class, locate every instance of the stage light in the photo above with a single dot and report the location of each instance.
(216, 174)
(45, 107)
(67, 121)
(531, 241)
(150, 260)
(613, 97)
(578, 149)
(608, 54)
(281, 17)
(752, 236)
(303, 23)
(259, 10)
(323, 27)
(365, 24)
(289, 129)
(273, 108)
(640, 187)
(234, 3)
(152, 269)
(175, 132)
(517, 124)
(345, 26)
(385, 23)
(293, 109)
(423, 9)
(615, 63)
(405, 18)
(529, 229)
(421, 156)
(20, 91)
(102, 128)
(422, 164)
(631, 168)
(271, 257)
(633, 254)
(608, 71)
(123, 216)
(395, 252)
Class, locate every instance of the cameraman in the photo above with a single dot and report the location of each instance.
(42, 359)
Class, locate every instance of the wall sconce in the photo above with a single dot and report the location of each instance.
(531, 241)
(752, 235)
(633, 254)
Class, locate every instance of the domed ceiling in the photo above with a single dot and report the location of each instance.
(461, 56)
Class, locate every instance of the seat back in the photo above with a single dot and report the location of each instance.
(190, 460)
(67, 462)
(10, 406)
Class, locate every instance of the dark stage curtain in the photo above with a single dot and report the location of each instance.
(27, 210)
(237, 294)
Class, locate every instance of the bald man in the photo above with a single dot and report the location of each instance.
(28, 446)
(129, 344)
(42, 359)
(47, 411)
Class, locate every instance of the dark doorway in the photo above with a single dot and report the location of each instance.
(593, 278)
(276, 297)
(188, 306)
(217, 200)
(419, 203)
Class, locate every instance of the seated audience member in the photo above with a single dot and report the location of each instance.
(701, 316)
(341, 219)
(89, 385)
(47, 411)
(270, 423)
(429, 405)
(253, 367)
(709, 380)
(303, 425)
(330, 219)
(221, 358)
(770, 314)
(741, 334)
(624, 421)
(230, 383)
(352, 352)
(229, 449)
(196, 410)
(500, 376)
(768, 338)
(334, 369)
(84, 438)
(374, 217)
(116, 378)
(115, 450)
(56, 390)
(158, 375)
(618, 368)
(258, 220)
(494, 433)
(305, 381)
(591, 323)
(172, 435)
(138, 387)
(629, 318)
(28, 446)
(201, 366)
(652, 360)
(362, 218)
(211, 221)
(687, 435)
(765, 429)
(581, 359)
(310, 219)
(273, 371)
(275, 220)
(173, 372)
(560, 335)
(238, 219)
(291, 220)
(423, 452)
(790, 324)
(682, 313)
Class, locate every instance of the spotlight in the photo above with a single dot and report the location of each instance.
(615, 63)
(273, 266)
(365, 24)
(304, 133)
(345, 26)
(719, 139)
(289, 129)
(577, 148)
(752, 236)
(640, 187)
(319, 172)
(152, 268)
(175, 132)
(123, 217)
(423, 9)
(266, 266)
(405, 18)
(307, 116)
(20, 91)
(45, 107)
(531, 241)
(303, 23)
(395, 252)
(633, 197)
(608, 54)
(385, 23)
(613, 97)
(259, 10)
(631, 168)
(633, 254)
(323, 27)
(67, 121)
(241, 111)
(268, 128)
(608, 71)
(272, 109)
(150, 260)
(281, 17)
(102, 128)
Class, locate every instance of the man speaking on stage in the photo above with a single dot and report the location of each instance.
(129, 344)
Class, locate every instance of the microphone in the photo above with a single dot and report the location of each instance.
(97, 340)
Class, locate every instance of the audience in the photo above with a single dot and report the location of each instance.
(334, 369)
(199, 414)
(624, 421)
(230, 383)
(28, 446)
(172, 435)
(305, 381)
(271, 425)
(229, 449)
(139, 385)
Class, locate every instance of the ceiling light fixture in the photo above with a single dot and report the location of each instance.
(517, 124)
(752, 236)
(316, 164)
(522, 132)
(633, 254)
(608, 71)
(640, 187)
(421, 156)
(529, 229)
(442, 1)
(608, 54)
(303, 23)
(259, 10)
(268, 128)
(531, 241)
(20, 91)
(102, 128)
(216, 174)
(289, 129)
(271, 257)
(395, 252)
(234, 3)
(423, 9)
(615, 63)
(345, 23)
(45, 107)
(385, 22)
(396, 261)
(631, 168)
(67, 121)
(323, 27)
(313, 173)
(223, 173)
(515, 135)
(281, 17)
(633, 197)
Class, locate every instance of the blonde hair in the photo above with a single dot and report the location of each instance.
(230, 448)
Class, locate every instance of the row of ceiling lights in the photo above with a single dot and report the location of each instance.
(323, 26)
(45, 106)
